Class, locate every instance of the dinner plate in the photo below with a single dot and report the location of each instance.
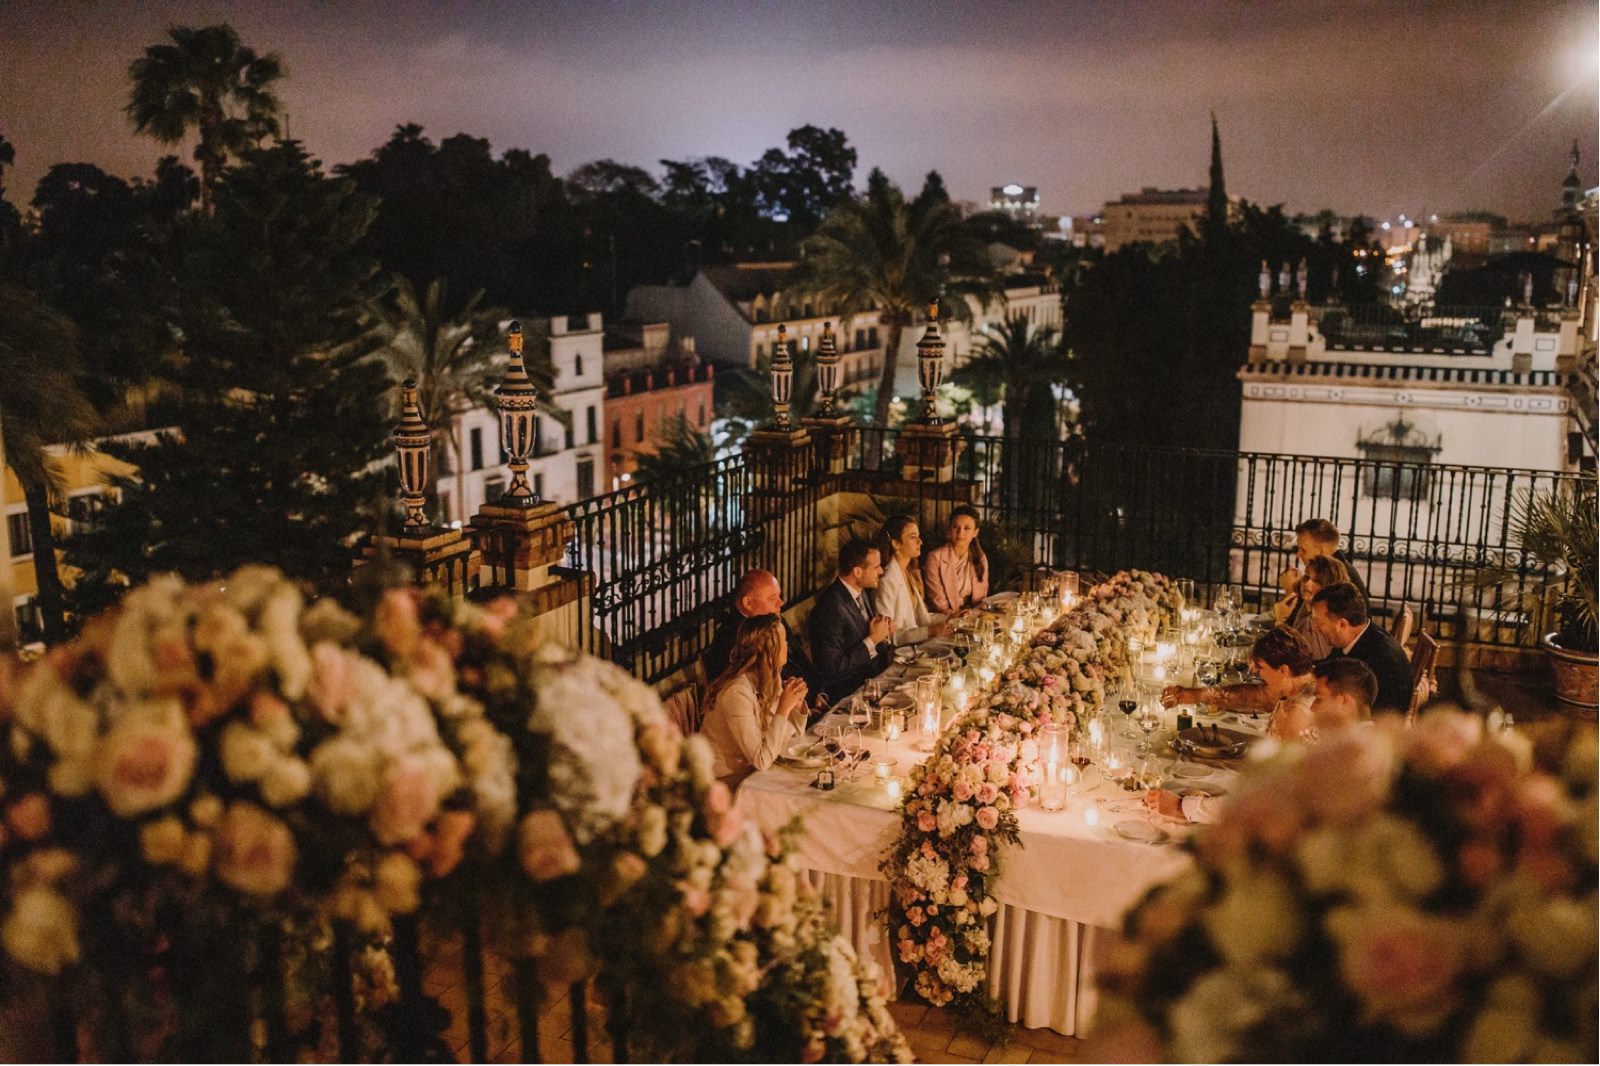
(936, 647)
(1211, 742)
(897, 701)
(1000, 598)
(799, 753)
(1140, 832)
(1190, 771)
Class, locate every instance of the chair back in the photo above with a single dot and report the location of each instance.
(1423, 682)
(1405, 620)
(683, 708)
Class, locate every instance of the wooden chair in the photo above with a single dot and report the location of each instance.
(1405, 620)
(1423, 682)
(683, 698)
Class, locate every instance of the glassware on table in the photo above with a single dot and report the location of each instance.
(860, 717)
(1186, 590)
(1149, 774)
(853, 746)
(873, 690)
(1125, 699)
(1149, 718)
(1207, 671)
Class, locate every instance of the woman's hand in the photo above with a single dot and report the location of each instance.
(1173, 695)
(1163, 802)
(792, 697)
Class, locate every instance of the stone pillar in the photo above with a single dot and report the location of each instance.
(1522, 342)
(1299, 331)
(1567, 342)
(829, 426)
(442, 558)
(1260, 319)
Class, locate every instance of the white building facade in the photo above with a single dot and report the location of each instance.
(569, 463)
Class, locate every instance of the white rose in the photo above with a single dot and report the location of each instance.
(698, 752)
(347, 775)
(652, 831)
(147, 759)
(247, 753)
(1557, 936)
(287, 781)
(1256, 919)
(162, 841)
(397, 883)
(41, 932)
(280, 625)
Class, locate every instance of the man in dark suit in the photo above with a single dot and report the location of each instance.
(1339, 615)
(758, 593)
(850, 640)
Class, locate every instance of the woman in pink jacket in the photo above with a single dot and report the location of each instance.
(956, 574)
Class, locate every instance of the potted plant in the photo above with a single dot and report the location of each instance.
(1556, 529)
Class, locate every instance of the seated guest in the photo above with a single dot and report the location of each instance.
(850, 638)
(1282, 661)
(752, 711)
(956, 574)
(900, 592)
(1345, 691)
(1339, 613)
(758, 593)
(1319, 538)
(1320, 572)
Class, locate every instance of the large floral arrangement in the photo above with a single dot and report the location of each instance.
(961, 805)
(1422, 895)
(215, 778)
(629, 862)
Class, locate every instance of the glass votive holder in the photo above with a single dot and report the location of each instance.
(1053, 788)
(894, 724)
(883, 769)
(892, 788)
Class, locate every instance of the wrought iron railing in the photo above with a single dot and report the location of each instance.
(1463, 330)
(665, 557)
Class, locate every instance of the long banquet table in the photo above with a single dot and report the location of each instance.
(1071, 879)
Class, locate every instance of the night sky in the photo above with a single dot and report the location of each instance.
(1362, 107)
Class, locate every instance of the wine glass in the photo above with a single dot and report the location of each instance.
(1149, 719)
(1206, 670)
(860, 713)
(1127, 701)
(851, 744)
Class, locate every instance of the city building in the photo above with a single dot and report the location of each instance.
(570, 459)
(733, 313)
(1021, 202)
(650, 378)
(1151, 215)
(86, 480)
(1035, 296)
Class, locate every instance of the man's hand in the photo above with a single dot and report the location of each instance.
(881, 628)
(1173, 695)
(1289, 580)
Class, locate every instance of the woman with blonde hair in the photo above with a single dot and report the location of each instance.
(1295, 610)
(957, 572)
(753, 712)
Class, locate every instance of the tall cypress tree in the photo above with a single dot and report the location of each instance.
(1216, 224)
(283, 419)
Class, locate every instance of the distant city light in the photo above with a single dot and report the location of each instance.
(1386, 225)
(1012, 190)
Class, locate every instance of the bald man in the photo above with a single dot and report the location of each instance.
(758, 593)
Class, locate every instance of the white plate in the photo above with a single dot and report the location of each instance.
(1001, 597)
(1190, 771)
(796, 754)
(1139, 832)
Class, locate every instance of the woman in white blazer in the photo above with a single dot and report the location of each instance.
(753, 711)
(900, 593)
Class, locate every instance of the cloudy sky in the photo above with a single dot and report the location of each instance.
(1378, 107)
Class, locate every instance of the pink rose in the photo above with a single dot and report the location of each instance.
(718, 799)
(29, 817)
(396, 621)
(331, 681)
(1540, 809)
(497, 615)
(1345, 777)
(450, 835)
(1401, 964)
(926, 822)
(1440, 739)
(987, 792)
(980, 845)
(255, 852)
(545, 847)
(980, 863)
(265, 709)
(962, 790)
(408, 802)
(726, 827)
(431, 671)
(988, 817)
(144, 765)
(695, 900)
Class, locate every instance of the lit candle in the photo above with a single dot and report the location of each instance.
(1160, 673)
(1097, 732)
(882, 768)
(893, 725)
(892, 787)
(1165, 650)
(1053, 789)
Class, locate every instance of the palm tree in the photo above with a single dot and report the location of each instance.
(41, 405)
(879, 251)
(679, 448)
(456, 359)
(206, 81)
(1026, 363)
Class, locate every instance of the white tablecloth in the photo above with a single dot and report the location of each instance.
(1071, 876)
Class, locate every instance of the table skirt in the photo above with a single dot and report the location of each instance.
(1040, 967)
